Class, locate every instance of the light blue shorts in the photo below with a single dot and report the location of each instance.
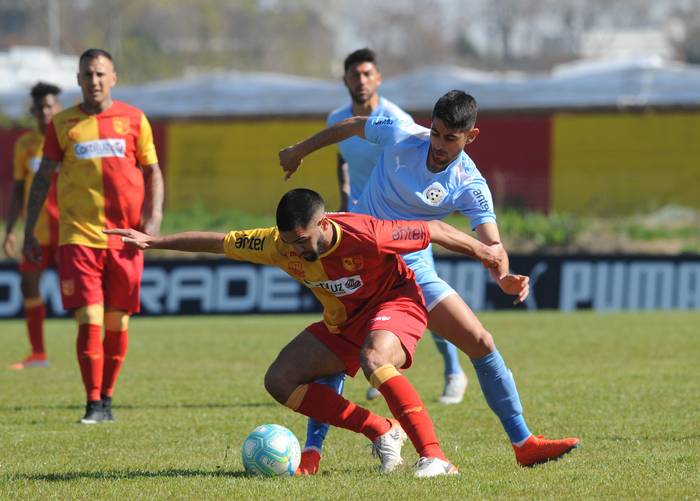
(434, 288)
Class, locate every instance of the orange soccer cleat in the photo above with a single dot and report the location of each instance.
(538, 449)
(310, 460)
(33, 360)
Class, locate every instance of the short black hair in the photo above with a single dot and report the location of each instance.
(456, 109)
(297, 207)
(91, 54)
(364, 55)
(42, 89)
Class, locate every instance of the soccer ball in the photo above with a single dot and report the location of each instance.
(271, 450)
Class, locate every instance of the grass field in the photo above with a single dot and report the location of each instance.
(191, 390)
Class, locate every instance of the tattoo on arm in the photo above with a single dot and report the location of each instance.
(37, 193)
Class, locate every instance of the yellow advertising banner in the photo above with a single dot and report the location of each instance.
(233, 164)
(617, 163)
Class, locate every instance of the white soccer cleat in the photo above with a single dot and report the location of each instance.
(455, 386)
(372, 393)
(388, 447)
(433, 467)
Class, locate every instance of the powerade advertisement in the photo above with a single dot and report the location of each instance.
(566, 283)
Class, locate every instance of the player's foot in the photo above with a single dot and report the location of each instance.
(455, 386)
(388, 447)
(107, 415)
(310, 458)
(33, 360)
(372, 393)
(432, 467)
(93, 412)
(538, 449)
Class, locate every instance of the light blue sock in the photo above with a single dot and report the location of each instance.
(449, 354)
(315, 430)
(498, 387)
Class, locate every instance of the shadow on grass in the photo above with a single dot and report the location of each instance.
(18, 408)
(123, 475)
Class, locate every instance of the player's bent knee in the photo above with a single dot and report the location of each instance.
(278, 384)
(483, 344)
(371, 360)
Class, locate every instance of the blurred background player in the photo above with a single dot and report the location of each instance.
(434, 178)
(28, 151)
(356, 159)
(109, 178)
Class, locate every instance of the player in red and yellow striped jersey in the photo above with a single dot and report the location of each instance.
(109, 178)
(27, 157)
(373, 312)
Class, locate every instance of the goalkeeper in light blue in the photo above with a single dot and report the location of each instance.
(425, 174)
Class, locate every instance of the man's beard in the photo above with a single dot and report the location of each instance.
(310, 256)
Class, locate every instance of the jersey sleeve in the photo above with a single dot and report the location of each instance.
(52, 149)
(255, 246)
(19, 161)
(145, 149)
(386, 131)
(476, 203)
(399, 237)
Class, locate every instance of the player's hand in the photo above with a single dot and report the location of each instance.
(290, 160)
(9, 245)
(515, 285)
(131, 237)
(492, 256)
(31, 250)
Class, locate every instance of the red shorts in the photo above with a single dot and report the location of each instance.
(100, 276)
(406, 317)
(49, 259)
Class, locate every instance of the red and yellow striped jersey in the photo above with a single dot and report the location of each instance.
(27, 158)
(101, 183)
(354, 275)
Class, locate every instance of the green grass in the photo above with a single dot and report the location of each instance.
(192, 389)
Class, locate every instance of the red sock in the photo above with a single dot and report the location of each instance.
(91, 359)
(407, 406)
(115, 344)
(325, 405)
(35, 327)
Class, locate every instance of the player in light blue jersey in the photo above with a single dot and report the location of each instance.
(425, 174)
(356, 160)
(357, 157)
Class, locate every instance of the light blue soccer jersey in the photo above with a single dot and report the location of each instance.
(360, 155)
(402, 187)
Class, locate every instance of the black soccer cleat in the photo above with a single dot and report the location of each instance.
(93, 412)
(107, 415)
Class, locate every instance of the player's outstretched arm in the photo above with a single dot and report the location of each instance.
(291, 157)
(449, 237)
(189, 241)
(512, 284)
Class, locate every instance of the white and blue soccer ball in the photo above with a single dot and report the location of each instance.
(271, 450)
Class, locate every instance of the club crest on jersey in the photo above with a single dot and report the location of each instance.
(296, 269)
(340, 287)
(67, 287)
(353, 263)
(121, 125)
(74, 134)
(434, 194)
